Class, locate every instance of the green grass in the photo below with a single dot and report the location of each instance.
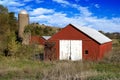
(24, 68)
(106, 71)
(105, 67)
(12, 68)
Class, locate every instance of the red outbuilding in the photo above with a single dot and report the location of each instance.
(38, 39)
(77, 43)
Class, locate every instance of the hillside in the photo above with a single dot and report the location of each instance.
(41, 29)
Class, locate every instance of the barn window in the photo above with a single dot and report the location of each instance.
(86, 51)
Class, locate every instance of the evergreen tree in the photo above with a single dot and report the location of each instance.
(12, 44)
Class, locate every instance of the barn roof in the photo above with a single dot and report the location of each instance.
(46, 37)
(94, 34)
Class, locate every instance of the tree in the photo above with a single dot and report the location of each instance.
(3, 15)
(4, 26)
(3, 10)
(12, 22)
(12, 44)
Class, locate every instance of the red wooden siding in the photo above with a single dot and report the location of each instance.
(37, 40)
(105, 48)
(95, 50)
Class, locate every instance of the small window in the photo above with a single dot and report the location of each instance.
(86, 51)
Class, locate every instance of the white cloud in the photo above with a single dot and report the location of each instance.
(40, 11)
(62, 2)
(11, 3)
(86, 19)
(4, 2)
(54, 19)
(37, 1)
(97, 5)
(51, 17)
(106, 25)
(84, 11)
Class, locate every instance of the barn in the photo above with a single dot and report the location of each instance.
(38, 39)
(77, 43)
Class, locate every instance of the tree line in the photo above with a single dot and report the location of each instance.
(8, 30)
(9, 40)
(111, 35)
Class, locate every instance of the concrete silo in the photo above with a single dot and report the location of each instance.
(23, 20)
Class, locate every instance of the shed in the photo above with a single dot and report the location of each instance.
(78, 43)
(38, 39)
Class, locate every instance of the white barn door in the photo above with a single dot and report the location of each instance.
(70, 50)
(64, 50)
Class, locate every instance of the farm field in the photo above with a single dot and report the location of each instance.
(22, 68)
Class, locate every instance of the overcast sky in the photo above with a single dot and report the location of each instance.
(98, 14)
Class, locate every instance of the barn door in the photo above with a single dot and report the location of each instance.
(76, 50)
(64, 49)
(70, 50)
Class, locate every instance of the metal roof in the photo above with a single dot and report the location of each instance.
(94, 34)
(23, 12)
(46, 37)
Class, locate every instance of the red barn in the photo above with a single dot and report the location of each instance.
(77, 43)
(38, 39)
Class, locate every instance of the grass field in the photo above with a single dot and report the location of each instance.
(24, 69)
(16, 68)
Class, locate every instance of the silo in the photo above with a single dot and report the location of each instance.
(23, 20)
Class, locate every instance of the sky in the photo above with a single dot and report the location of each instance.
(98, 14)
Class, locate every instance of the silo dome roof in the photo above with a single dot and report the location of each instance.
(23, 12)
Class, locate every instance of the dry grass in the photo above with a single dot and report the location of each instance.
(67, 70)
(17, 68)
